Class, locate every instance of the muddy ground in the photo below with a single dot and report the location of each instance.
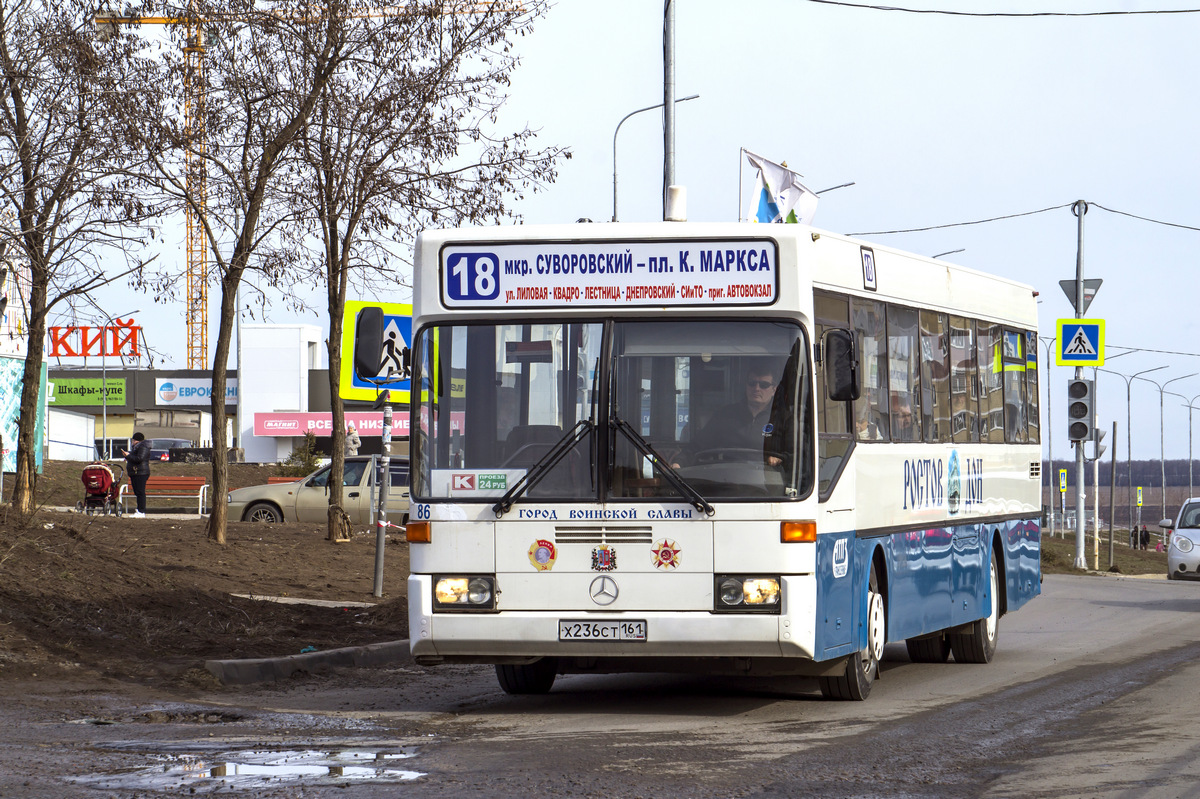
(149, 600)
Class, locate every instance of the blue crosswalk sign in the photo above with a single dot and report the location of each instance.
(1080, 342)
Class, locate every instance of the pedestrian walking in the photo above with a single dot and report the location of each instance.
(138, 469)
(1145, 537)
(353, 442)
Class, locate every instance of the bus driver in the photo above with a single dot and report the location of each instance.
(744, 425)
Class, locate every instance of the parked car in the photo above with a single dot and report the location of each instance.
(307, 499)
(1183, 549)
(160, 448)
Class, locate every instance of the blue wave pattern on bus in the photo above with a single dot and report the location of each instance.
(925, 483)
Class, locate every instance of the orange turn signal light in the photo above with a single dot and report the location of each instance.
(417, 532)
(797, 532)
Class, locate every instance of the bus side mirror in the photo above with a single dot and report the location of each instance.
(841, 365)
(368, 343)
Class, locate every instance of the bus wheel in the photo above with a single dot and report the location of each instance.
(979, 645)
(533, 678)
(931, 649)
(862, 668)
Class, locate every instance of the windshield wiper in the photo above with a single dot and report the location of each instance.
(694, 497)
(543, 465)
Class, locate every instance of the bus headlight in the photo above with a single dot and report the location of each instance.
(475, 592)
(747, 594)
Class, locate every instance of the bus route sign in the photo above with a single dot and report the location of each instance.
(603, 273)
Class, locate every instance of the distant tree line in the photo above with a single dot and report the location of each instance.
(1146, 473)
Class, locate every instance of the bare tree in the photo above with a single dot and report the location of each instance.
(264, 68)
(400, 139)
(68, 176)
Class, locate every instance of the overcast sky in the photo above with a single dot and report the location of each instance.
(937, 119)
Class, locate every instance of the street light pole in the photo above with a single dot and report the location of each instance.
(1162, 459)
(107, 454)
(1191, 405)
(1052, 482)
(618, 130)
(1129, 431)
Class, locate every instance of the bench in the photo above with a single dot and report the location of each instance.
(173, 487)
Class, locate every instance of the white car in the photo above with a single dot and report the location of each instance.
(307, 499)
(1183, 549)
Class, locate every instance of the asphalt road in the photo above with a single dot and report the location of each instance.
(1090, 695)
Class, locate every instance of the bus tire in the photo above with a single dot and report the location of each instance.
(930, 649)
(979, 645)
(532, 678)
(862, 668)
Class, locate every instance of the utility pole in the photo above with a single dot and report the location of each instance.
(1079, 208)
(1112, 490)
(1098, 449)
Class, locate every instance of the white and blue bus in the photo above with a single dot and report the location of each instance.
(724, 448)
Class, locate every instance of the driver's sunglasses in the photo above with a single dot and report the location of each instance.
(760, 383)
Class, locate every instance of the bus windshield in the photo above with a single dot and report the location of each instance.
(723, 405)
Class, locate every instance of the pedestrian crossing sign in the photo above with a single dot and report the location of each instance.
(1080, 342)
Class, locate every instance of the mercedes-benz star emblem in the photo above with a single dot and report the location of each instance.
(604, 590)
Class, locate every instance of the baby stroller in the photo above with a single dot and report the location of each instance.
(101, 489)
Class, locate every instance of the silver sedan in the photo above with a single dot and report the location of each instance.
(307, 498)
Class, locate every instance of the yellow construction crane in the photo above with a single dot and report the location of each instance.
(196, 170)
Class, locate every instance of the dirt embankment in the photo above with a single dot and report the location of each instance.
(151, 599)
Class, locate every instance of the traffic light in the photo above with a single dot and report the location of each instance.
(1081, 409)
(1098, 447)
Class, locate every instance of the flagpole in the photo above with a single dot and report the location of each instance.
(741, 152)
(668, 102)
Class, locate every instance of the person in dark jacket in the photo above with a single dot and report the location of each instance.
(138, 460)
(745, 425)
(1145, 537)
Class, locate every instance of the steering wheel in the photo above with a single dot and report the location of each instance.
(728, 454)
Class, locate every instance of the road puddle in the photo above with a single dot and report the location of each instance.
(259, 768)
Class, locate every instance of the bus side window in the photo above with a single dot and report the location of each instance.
(964, 381)
(935, 376)
(834, 434)
(903, 363)
(1031, 387)
(831, 312)
(871, 409)
(1015, 408)
(991, 379)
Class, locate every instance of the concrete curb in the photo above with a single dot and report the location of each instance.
(246, 672)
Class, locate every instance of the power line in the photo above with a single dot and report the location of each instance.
(1028, 213)
(1144, 218)
(870, 7)
(962, 224)
(1156, 352)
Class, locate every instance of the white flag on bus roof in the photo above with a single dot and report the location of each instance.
(779, 196)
